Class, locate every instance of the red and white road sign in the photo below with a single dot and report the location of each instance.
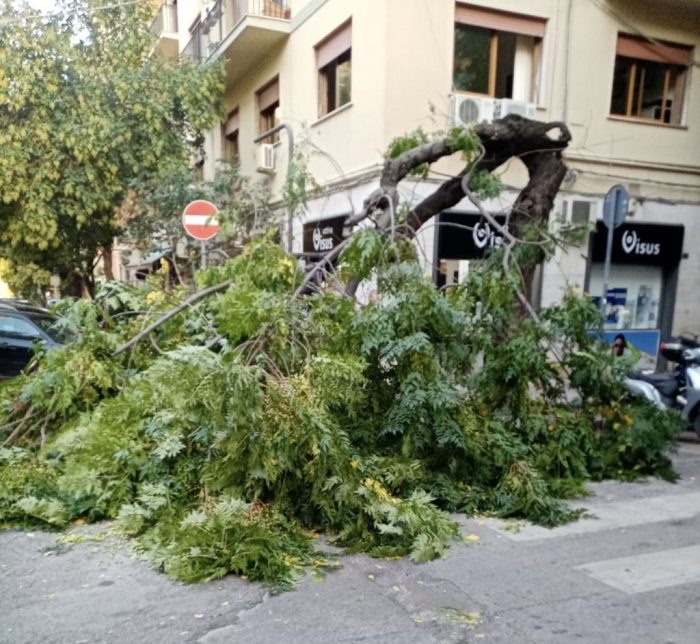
(199, 219)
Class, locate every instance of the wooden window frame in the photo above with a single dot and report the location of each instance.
(268, 101)
(229, 136)
(498, 22)
(333, 50)
(675, 59)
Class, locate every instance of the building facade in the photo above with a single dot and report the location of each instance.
(343, 78)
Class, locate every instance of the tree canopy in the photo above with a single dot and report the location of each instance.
(87, 109)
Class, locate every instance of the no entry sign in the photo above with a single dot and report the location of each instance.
(199, 219)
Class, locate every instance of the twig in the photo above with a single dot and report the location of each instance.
(42, 431)
(17, 433)
(171, 314)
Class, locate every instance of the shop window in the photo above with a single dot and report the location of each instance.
(334, 62)
(496, 53)
(229, 137)
(649, 80)
(633, 298)
(268, 109)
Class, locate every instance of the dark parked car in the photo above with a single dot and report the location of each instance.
(23, 327)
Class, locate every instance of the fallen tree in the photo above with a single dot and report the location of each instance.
(257, 414)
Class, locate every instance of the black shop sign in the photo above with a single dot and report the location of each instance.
(648, 244)
(463, 236)
(323, 235)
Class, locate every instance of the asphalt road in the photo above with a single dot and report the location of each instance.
(628, 574)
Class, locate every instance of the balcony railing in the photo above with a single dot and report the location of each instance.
(166, 20)
(221, 19)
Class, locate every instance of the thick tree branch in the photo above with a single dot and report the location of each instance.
(538, 144)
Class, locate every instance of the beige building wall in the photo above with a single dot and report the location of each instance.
(402, 60)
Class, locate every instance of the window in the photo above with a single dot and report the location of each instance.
(334, 62)
(17, 328)
(268, 109)
(649, 80)
(229, 137)
(496, 53)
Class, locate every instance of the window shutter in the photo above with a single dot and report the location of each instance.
(269, 95)
(335, 45)
(632, 47)
(232, 124)
(500, 20)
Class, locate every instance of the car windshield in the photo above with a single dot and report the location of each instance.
(57, 329)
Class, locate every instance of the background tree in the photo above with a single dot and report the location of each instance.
(151, 216)
(86, 109)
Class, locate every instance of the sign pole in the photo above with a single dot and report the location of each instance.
(606, 271)
(203, 255)
(614, 213)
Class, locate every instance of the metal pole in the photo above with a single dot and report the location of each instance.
(203, 255)
(608, 256)
(290, 136)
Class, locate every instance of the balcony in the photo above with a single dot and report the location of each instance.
(242, 31)
(165, 28)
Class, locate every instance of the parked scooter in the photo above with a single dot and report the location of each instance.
(679, 389)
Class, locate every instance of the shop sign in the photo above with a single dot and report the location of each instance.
(649, 244)
(463, 236)
(323, 235)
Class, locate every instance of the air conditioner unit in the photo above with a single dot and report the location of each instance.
(507, 106)
(266, 158)
(471, 109)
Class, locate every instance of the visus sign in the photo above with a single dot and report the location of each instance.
(484, 237)
(462, 236)
(323, 235)
(649, 244)
(632, 244)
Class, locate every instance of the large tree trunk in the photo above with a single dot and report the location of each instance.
(537, 144)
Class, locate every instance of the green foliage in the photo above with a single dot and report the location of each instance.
(464, 140)
(408, 142)
(299, 184)
(367, 422)
(24, 479)
(232, 536)
(635, 440)
(485, 185)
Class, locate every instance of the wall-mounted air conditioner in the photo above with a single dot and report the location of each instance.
(507, 106)
(266, 158)
(471, 109)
